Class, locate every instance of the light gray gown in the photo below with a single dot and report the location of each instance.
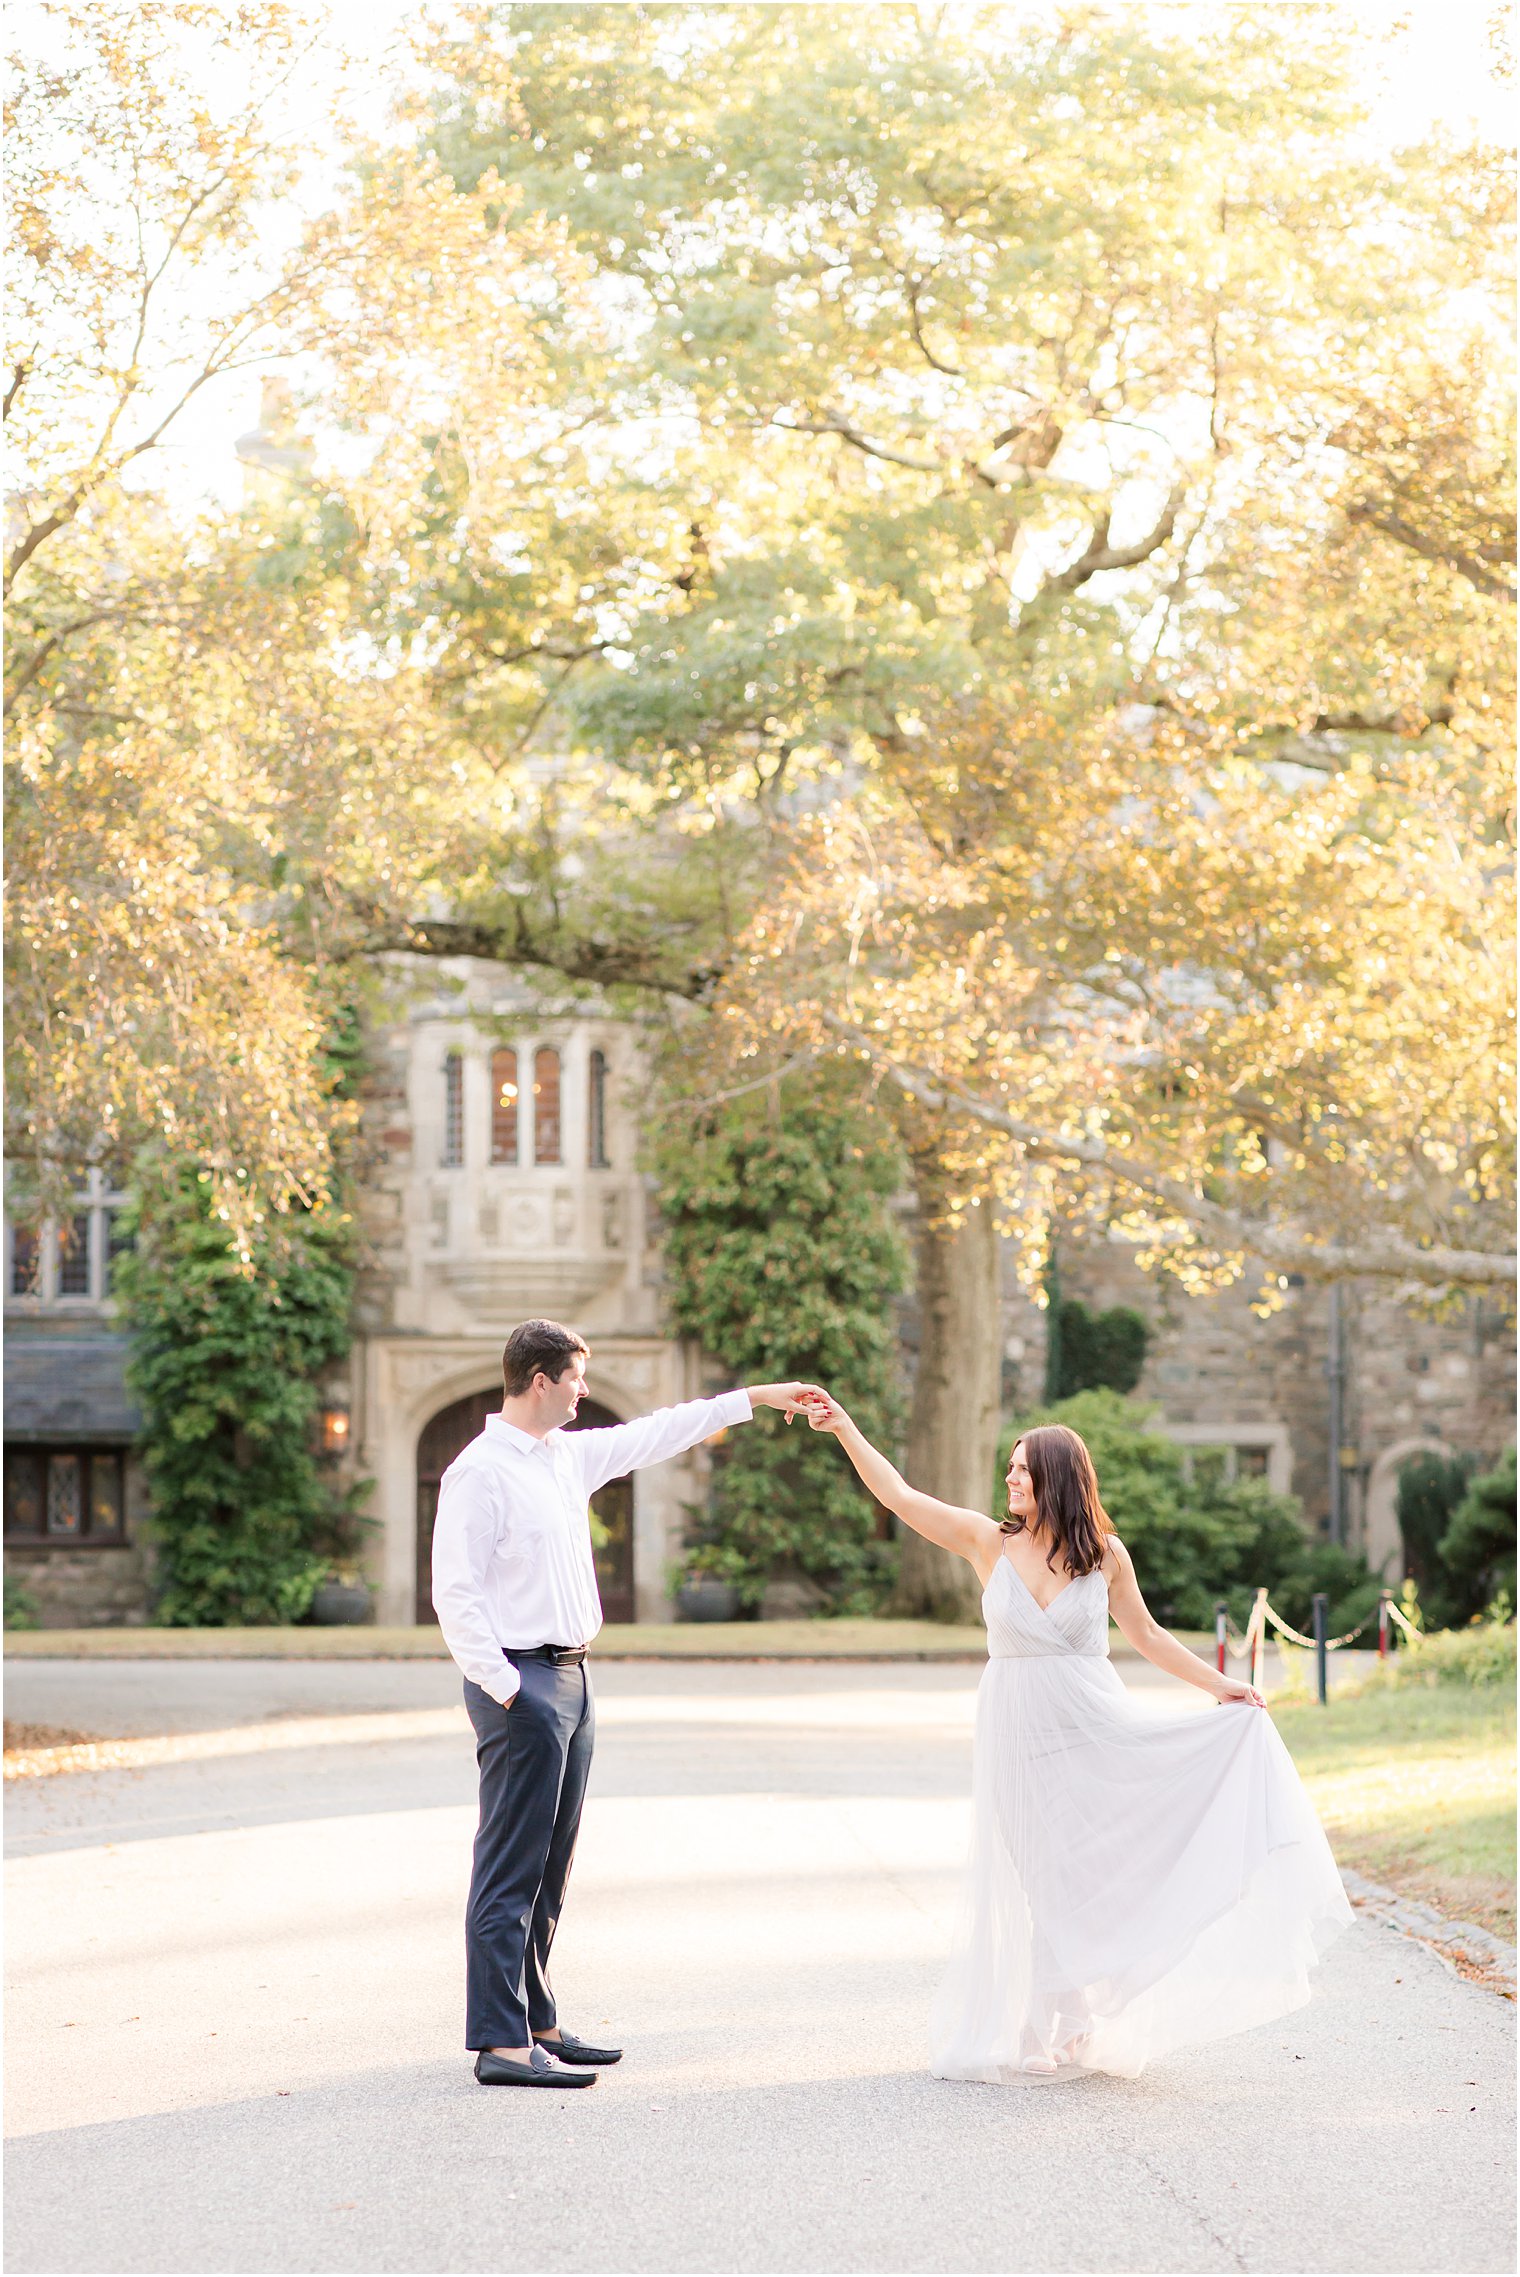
(1138, 1882)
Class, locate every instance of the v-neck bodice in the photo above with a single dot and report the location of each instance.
(1019, 1627)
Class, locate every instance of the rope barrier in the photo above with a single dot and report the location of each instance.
(1251, 1646)
(1296, 1636)
(1240, 1646)
(1229, 1643)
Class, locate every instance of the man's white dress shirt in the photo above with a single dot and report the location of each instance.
(512, 1562)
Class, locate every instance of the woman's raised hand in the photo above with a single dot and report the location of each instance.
(824, 1412)
(1235, 1688)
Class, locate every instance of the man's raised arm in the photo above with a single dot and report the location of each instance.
(670, 1431)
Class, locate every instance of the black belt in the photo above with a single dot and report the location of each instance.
(560, 1655)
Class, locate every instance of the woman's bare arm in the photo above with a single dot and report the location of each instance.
(968, 1533)
(1138, 1627)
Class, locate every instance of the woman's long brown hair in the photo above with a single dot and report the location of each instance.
(1065, 1487)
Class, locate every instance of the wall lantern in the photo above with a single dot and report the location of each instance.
(333, 1427)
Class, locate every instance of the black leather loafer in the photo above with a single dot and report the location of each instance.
(568, 2049)
(501, 2071)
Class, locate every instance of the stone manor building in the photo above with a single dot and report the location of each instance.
(502, 1179)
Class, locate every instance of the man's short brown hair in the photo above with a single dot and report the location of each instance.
(538, 1347)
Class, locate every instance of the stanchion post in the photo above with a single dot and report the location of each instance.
(1221, 1630)
(1321, 1625)
(1259, 1647)
(1383, 1624)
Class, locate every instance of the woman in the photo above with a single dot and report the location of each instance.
(1139, 1881)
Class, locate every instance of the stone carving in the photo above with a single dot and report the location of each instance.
(525, 1224)
(509, 1289)
(414, 1372)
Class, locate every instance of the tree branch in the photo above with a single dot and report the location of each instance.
(834, 424)
(20, 373)
(597, 964)
(1009, 477)
(1432, 549)
(41, 654)
(915, 323)
(1100, 555)
(1297, 744)
(1358, 723)
(1381, 1257)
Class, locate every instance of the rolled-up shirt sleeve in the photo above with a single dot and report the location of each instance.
(465, 1535)
(602, 1455)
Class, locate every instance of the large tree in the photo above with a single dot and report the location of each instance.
(1019, 363)
(217, 750)
(880, 523)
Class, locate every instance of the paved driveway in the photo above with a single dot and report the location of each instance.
(235, 1995)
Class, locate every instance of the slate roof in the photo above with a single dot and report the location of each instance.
(68, 1387)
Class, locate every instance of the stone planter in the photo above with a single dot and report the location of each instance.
(703, 1599)
(338, 1604)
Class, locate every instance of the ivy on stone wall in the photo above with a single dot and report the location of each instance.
(1088, 1351)
(783, 1261)
(1094, 1351)
(224, 1362)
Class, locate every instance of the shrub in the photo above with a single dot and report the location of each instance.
(1481, 1654)
(223, 1361)
(1092, 1350)
(783, 1260)
(1431, 1489)
(1196, 1539)
(20, 1606)
(1477, 1549)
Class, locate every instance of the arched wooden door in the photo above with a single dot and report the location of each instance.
(450, 1432)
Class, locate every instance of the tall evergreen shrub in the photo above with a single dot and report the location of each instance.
(1478, 1547)
(1095, 1351)
(224, 1363)
(1431, 1489)
(783, 1260)
(1086, 1350)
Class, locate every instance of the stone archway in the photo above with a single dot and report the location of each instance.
(1382, 1543)
(444, 1436)
(450, 1431)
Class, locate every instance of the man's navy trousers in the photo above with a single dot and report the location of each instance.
(534, 1757)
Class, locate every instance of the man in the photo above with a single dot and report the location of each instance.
(514, 1586)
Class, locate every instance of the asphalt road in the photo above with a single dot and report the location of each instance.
(234, 2013)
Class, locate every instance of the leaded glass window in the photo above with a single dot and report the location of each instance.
(546, 1119)
(596, 1112)
(453, 1111)
(504, 1105)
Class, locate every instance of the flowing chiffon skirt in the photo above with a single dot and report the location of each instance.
(1138, 1883)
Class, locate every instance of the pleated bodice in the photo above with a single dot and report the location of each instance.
(1019, 1627)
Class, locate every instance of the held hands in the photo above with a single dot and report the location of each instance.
(788, 1398)
(824, 1413)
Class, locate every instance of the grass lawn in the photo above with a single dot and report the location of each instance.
(1416, 1788)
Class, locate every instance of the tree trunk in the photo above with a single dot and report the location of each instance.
(953, 1426)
